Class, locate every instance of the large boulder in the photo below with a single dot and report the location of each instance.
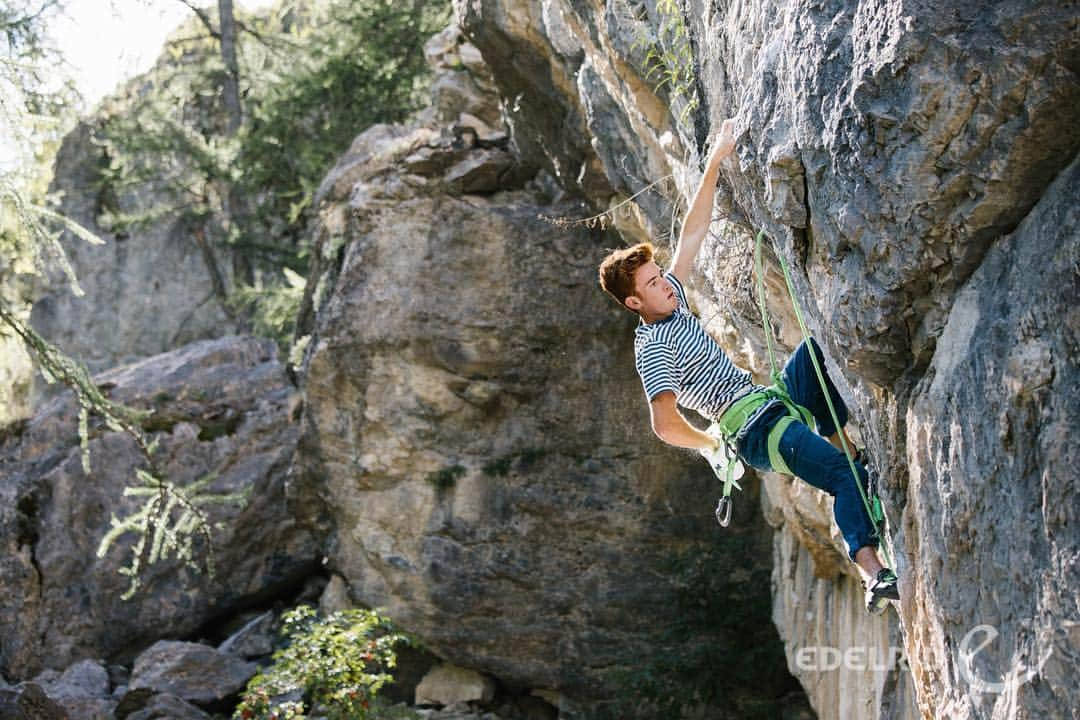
(220, 413)
(474, 426)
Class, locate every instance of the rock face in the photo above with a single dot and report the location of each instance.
(902, 156)
(164, 706)
(475, 430)
(147, 292)
(221, 409)
(83, 691)
(1006, 524)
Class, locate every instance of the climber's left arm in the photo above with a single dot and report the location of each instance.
(696, 224)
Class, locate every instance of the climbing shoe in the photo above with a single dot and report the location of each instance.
(861, 457)
(880, 591)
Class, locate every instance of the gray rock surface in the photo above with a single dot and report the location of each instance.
(991, 537)
(473, 428)
(87, 678)
(164, 706)
(193, 672)
(29, 702)
(83, 691)
(900, 153)
(256, 638)
(219, 407)
(146, 292)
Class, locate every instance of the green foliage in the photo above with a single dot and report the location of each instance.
(313, 75)
(333, 667)
(34, 115)
(273, 308)
(446, 478)
(669, 57)
(171, 522)
(362, 63)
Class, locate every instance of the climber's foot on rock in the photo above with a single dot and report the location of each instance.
(880, 591)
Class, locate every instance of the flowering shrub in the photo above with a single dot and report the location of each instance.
(334, 666)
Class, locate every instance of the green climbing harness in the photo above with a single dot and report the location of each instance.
(728, 426)
(735, 417)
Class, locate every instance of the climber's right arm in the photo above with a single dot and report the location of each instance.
(671, 427)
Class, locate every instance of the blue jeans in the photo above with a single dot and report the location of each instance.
(810, 456)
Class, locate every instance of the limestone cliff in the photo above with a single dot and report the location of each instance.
(146, 291)
(902, 156)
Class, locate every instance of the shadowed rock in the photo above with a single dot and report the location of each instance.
(220, 409)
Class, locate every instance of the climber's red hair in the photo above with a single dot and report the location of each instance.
(618, 268)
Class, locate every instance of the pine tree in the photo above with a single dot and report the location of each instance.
(32, 120)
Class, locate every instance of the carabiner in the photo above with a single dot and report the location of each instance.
(723, 511)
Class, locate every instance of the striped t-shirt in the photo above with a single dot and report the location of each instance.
(677, 354)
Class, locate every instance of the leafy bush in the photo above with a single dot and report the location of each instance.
(334, 665)
(272, 307)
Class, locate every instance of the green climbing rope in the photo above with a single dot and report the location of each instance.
(873, 509)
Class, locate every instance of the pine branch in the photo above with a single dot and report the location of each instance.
(152, 521)
(204, 18)
(28, 20)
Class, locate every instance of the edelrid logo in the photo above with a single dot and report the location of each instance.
(971, 646)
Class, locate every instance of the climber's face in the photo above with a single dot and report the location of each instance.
(654, 297)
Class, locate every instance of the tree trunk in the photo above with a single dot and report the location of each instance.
(235, 206)
(217, 280)
(231, 90)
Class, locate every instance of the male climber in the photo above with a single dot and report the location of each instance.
(680, 364)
